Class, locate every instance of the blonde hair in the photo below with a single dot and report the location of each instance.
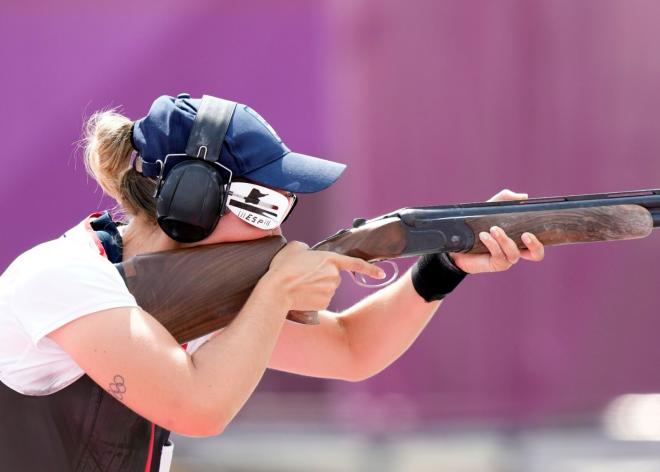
(107, 154)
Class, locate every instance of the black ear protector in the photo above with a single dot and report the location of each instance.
(192, 187)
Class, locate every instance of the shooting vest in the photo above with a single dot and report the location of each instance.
(81, 427)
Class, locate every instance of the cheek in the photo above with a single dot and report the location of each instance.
(232, 228)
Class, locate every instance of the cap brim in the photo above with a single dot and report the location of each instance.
(298, 173)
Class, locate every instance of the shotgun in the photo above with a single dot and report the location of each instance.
(198, 290)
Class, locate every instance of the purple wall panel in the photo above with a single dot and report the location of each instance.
(428, 102)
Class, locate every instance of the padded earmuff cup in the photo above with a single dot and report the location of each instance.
(190, 201)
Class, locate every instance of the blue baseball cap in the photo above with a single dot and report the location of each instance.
(251, 149)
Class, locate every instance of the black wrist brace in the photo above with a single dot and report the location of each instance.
(434, 276)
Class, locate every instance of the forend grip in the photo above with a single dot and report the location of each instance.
(567, 226)
(195, 291)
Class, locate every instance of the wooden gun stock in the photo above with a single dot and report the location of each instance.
(195, 291)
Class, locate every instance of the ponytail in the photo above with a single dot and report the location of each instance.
(108, 151)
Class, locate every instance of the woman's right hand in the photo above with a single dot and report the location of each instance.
(308, 278)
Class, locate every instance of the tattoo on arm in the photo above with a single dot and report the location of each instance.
(117, 387)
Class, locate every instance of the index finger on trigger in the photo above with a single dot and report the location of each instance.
(355, 264)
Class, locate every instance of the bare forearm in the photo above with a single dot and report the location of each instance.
(359, 342)
(380, 328)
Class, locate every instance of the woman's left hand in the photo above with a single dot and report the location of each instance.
(503, 250)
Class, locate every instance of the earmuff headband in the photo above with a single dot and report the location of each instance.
(209, 128)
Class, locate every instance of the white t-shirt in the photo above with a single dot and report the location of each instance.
(45, 288)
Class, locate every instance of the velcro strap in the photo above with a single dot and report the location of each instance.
(148, 169)
(154, 169)
(210, 127)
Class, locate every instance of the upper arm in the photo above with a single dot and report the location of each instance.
(78, 299)
(128, 346)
